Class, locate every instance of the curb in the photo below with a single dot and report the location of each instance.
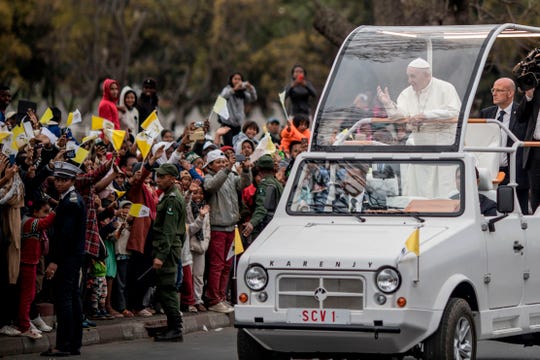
(114, 330)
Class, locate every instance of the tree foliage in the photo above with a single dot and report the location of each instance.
(61, 50)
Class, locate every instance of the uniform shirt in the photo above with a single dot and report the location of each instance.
(69, 227)
(169, 227)
(261, 212)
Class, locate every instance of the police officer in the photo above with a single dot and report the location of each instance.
(169, 230)
(66, 255)
(266, 199)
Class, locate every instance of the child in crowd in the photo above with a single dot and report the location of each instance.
(97, 286)
(297, 131)
(198, 220)
(122, 258)
(250, 129)
(34, 244)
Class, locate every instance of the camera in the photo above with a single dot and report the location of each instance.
(527, 71)
(199, 124)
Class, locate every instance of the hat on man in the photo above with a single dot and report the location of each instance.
(65, 170)
(225, 148)
(191, 157)
(167, 169)
(213, 156)
(265, 162)
(149, 83)
(209, 144)
(10, 114)
(124, 203)
(272, 120)
(419, 63)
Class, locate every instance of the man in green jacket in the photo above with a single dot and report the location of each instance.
(169, 230)
(267, 197)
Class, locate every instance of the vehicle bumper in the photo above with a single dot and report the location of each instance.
(384, 336)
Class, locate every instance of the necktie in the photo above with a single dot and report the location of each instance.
(501, 115)
(353, 205)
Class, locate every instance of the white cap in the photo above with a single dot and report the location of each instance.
(214, 155)
(419, 63)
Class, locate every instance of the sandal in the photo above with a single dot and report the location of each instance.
(127, 313)
(144, 313)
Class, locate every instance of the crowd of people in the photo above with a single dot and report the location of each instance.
(120, 233)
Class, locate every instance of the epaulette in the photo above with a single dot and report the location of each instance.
(73, 197)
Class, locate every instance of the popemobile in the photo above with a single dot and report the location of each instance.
(380, 245)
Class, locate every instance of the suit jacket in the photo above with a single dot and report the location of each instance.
(527, 114)
(341, 203)
(518, 129)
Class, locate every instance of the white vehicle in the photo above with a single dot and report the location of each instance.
(338, 273)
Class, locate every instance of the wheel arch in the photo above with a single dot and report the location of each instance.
(457, 286)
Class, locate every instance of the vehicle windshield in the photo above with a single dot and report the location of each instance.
(353, 187)
(405, 88)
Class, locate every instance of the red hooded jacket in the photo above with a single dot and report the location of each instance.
(107, 105)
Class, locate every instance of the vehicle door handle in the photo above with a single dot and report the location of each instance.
(517, 246)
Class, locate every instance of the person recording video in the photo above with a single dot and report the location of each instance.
(527, 72)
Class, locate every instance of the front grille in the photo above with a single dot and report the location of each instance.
(339, 292)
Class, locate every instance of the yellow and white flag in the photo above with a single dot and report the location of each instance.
(80, 153)
(152, 125)
(46, 117)
(282, 101)
(220, 107)
(74, 118)
(19, 138)
(116, 137)
(89, 138)
(236, 246)
(99, 123)
(4, 135)
(144, 142)
(119, 193)
(139, 210)
(412, 245)
(265, 146)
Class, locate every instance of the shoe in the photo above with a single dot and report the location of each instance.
(189, 309)
(106, 315)
(127, 313)
(9, 331)
(90, 322)
(97, 315)
(41, 324)
(220, 308)
(33, 334)
(228, 304)
(174, 330)
(55, 353)
(144, 313)
(33, 327)
(201, 307)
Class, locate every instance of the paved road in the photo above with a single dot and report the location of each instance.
(221, 344)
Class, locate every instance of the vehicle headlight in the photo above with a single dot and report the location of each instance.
(388, 280)
(256, 278)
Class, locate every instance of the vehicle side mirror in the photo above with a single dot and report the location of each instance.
(505, 199)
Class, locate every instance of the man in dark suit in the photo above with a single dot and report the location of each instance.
(66, 254)
(352, 197)
(504, 110)
(528, 114)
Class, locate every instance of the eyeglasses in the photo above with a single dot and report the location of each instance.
(498, 91)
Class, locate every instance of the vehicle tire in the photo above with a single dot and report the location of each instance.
(455, 339)
(248, 349)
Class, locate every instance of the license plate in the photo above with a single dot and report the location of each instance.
(318, 316)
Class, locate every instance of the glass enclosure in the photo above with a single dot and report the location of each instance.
(406, 87)
(353, 187)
